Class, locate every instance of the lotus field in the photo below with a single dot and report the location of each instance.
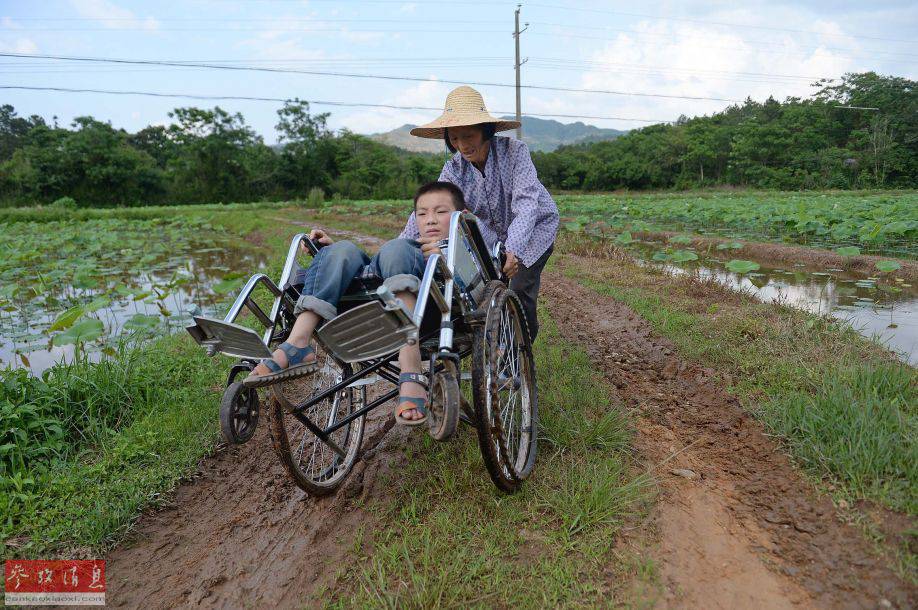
(881, 223)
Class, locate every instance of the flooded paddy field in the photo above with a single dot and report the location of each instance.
(98, 282)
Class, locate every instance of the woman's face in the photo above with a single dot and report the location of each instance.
(433, 212)
(470, 143)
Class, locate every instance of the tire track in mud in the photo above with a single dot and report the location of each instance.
(241, 534)
(737, 526)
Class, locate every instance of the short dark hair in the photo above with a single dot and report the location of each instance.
(487, 132)
(447, 187)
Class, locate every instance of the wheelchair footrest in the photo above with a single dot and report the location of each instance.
(366, 332)
(227, 338)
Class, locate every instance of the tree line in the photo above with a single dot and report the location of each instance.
(210, 155)
(832, 140)
(204, 156)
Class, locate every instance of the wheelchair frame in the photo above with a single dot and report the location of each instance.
(361, 347)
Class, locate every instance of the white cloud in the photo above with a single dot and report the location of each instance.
(429, 94)
(112, 16)
(693, 60)
(20, 45)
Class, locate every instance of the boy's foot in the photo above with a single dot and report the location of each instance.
(412, 400)
(287, 362)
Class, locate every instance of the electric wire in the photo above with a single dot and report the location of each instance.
(248, 98)
(363, 76)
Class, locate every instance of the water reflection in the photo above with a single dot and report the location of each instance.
(880, 308)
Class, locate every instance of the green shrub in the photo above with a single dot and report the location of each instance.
(315, 198)
(65, 203)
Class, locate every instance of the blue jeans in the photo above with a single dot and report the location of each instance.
(399, 262)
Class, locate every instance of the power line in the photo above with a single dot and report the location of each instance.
(150, 28)
(607, 12)
(465, 21)
(246, 98)
(570, 66)
(355, 75)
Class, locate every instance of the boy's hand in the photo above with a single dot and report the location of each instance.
(511, 265)
(318, 235)
(429, 246)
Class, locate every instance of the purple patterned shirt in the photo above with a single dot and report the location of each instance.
(508, 199)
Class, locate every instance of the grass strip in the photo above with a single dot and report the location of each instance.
(83, 501)
(451, 540)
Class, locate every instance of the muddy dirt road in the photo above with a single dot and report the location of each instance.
(737, 526)
(734, 526)
(241, 534)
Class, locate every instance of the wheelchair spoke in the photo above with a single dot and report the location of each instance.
(318, 466)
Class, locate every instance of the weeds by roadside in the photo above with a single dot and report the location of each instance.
(129, 430)
(842, 405)
(450, 539)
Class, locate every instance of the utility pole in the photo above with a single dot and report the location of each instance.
(516, 36)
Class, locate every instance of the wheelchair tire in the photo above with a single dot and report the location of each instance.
(313, 465)
(504, 389)
(239, 409)
(443, 409)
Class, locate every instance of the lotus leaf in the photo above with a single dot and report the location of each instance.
(741, 266)
(85, 331)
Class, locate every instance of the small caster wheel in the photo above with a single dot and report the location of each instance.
(238, 413)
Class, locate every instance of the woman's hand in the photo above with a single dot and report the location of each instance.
(511, 265)
(320, 236)
(429, 246)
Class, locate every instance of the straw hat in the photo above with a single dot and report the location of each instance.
(464, 107)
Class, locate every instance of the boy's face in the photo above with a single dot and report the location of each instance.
(432, 214)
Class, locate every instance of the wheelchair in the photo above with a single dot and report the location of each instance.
(470, 327)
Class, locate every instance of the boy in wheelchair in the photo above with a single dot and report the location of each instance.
(400, 263)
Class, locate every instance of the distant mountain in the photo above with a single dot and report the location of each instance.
(539, 134)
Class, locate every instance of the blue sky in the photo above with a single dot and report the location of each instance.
(725, 50)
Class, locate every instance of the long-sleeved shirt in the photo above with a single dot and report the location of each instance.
(508, 199)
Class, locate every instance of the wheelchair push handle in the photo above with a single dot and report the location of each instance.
(311, 246)
(499, 256)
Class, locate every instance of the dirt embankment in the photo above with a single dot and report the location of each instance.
(788, 254)
(737, 525)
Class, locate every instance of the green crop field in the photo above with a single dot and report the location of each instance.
(883, 223)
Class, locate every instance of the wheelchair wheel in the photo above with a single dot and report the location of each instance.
(238, 413)
(504, 387)
(314, 465)
(443, 417)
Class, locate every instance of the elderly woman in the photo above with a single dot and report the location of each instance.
(501, 188)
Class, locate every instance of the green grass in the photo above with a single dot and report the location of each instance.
(845, 409)
(447, 538)
(82, 498)
(861, 425)
(87, 446)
